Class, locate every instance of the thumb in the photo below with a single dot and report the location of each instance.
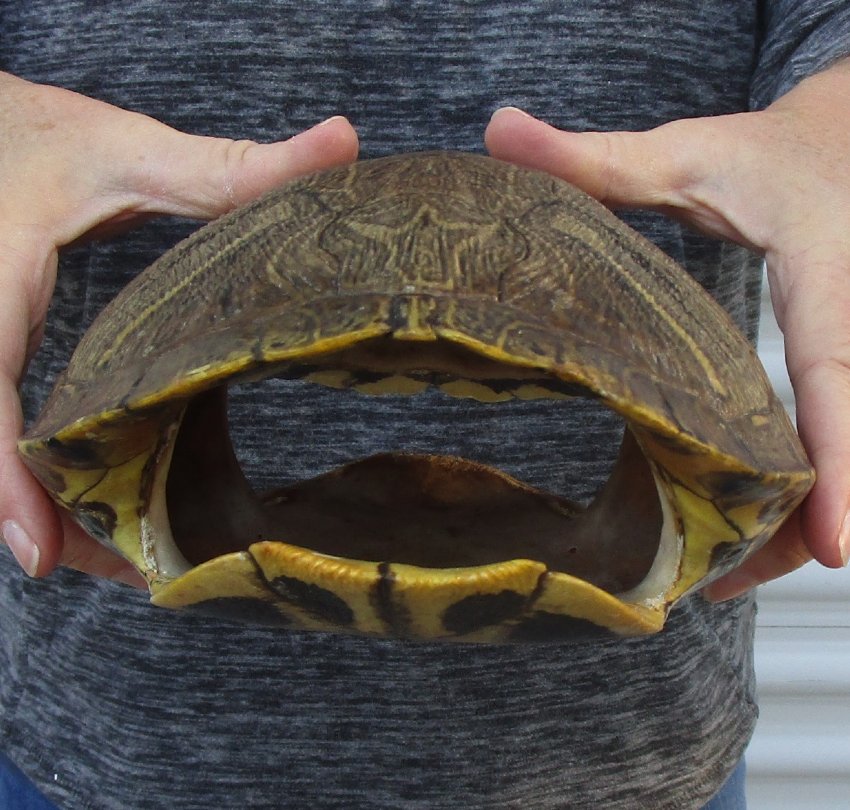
(204, 177)
(76, 166)
(674, 168)
(198, 177)
(771, 180)
(620, 169)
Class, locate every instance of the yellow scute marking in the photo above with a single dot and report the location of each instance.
(226, 576)
(119, 487)
(704, 528)
(395, 384)
(330, 378)
(530, 391)
(466, 389)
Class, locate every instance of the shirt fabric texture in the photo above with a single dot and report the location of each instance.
(106, 702)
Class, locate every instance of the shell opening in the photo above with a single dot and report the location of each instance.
(415, 509)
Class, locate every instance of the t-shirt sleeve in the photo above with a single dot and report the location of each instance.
(799, 38)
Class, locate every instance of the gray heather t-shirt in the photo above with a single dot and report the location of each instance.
(109, 703)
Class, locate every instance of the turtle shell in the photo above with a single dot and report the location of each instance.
(392, 275)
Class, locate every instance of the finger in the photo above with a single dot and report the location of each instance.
(677, 168)
(713, 174)
(40, 539)
(204, 177)
(26, 513)
(30, 525)
(618, 168)
(812, 313)
(84, 553)
(821, 392)
(141, 168)
(86, 163)
(786, 552)
(28, 520)
(818, 529)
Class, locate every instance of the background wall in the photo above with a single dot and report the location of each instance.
(800, 755)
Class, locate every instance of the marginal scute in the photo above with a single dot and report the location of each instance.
(485, 280)
(565, 595)
(230, 576)
(474, 603)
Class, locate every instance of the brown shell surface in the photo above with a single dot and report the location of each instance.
(503, 256)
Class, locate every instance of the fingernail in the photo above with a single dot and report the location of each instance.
(321, 124)
(21, 545)
(501, 110)
(329, 121)
(844, 540)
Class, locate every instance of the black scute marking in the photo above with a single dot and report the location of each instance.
(772, 510)
(317, 601)
(546, 627)
(726, 556)
(735, 488)
(671, 444)
(394, 615)
(97, 518)
(483, 610)
(242, 609)
(226, 302)
(399, 312)
(76, 453)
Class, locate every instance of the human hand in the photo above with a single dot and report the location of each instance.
(777, 182)
(73, 168)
